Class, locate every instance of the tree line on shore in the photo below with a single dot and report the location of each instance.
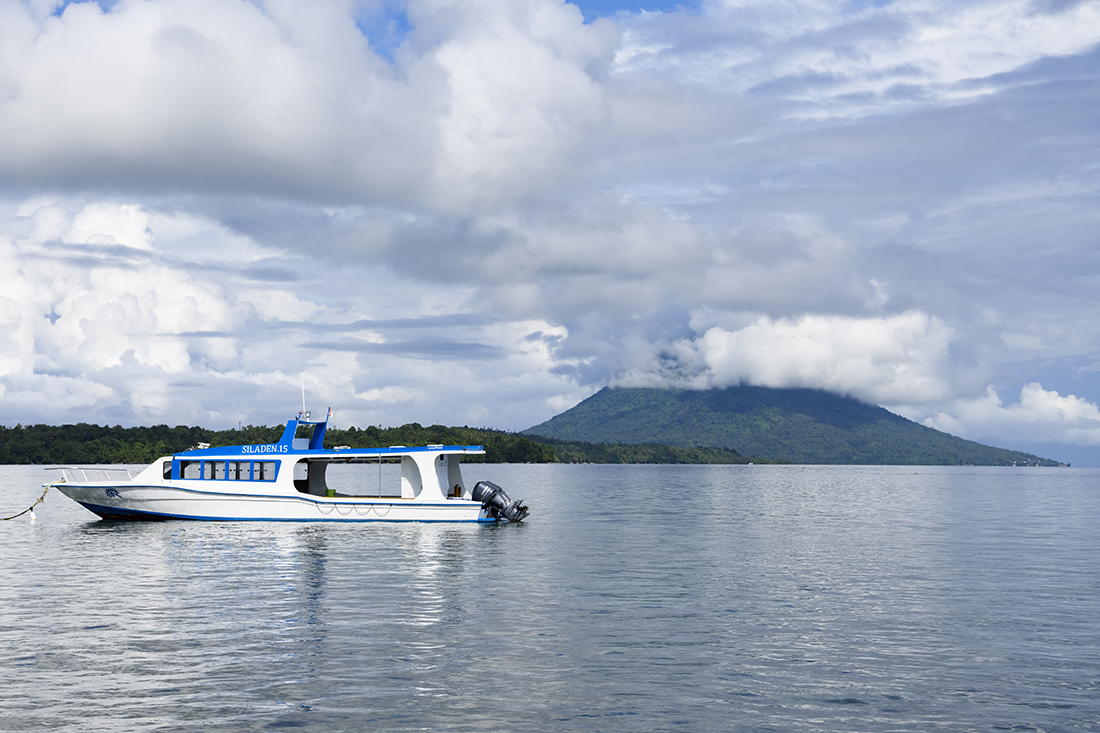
(95, 444)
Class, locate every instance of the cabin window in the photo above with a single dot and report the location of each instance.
(167, 469)
(301, 476)
(222, 470)
(265, 471)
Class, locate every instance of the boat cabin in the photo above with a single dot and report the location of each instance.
(429, 472)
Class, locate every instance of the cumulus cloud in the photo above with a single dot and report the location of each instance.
(523, 91)
(488, 102)
(96, 328)
(879, 360)
(1043, 414)
(70, 312)
(103, 223)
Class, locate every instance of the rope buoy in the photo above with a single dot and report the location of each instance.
(32, 506)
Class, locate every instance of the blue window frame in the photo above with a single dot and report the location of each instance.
(224, 470)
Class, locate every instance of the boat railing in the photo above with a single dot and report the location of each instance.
(88, 474)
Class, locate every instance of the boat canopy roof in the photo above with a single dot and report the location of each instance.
(313, 446)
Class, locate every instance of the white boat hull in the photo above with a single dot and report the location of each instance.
(151, 502)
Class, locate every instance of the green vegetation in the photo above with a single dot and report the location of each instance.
(94, 444)
(500, 447)
(83, 443)
(578, 452)
(796, 425)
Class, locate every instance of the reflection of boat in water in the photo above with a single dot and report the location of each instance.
(286, 481)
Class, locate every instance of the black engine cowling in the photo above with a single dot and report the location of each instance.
(496, 502)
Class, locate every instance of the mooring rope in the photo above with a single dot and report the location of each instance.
(32, 506)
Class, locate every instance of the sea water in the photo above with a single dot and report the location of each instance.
(634, 598)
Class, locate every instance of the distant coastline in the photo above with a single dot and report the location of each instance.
(96, 444)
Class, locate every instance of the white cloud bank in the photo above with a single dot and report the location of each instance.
(1043, 415)
(489, 101)
(879, 360)
(112, 313)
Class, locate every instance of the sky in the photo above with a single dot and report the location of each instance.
(480, 213)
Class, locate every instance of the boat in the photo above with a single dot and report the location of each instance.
(292, 480)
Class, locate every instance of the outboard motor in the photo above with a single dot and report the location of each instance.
(497, 503)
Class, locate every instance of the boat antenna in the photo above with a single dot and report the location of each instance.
(303, 412)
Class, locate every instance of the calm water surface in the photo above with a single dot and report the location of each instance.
(695, 598)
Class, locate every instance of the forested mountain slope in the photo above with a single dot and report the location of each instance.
(798, 425)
